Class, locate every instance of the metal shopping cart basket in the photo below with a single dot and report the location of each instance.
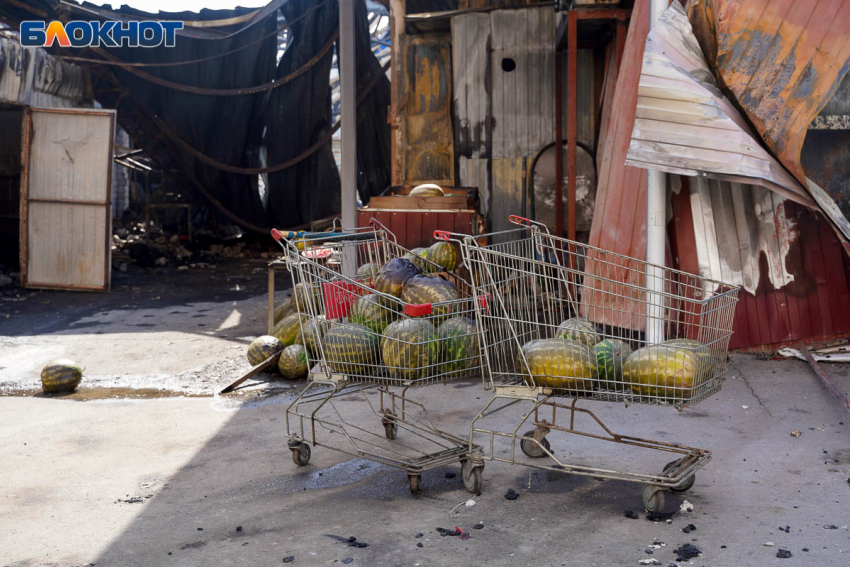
(559, 319)
(364, 342)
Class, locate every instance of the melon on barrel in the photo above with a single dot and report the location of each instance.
(369, 312)
(352, 349)
(263, 348)
(61, 375)
(558, 363)
(292, 363)
(459, 352)
(427, 190)
(410, 349)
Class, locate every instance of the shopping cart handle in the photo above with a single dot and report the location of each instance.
(276, 234)
(518, 220)
(442, 235)
(420, 310)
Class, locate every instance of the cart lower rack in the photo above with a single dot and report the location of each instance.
(562, 322)
(377, 321)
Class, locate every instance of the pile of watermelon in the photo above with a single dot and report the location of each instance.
(578, 359)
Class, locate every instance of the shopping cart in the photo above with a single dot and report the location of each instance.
(367, 345)
(560, 319)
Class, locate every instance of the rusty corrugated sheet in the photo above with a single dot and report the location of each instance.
(684, 124)
(790, 264)
(429, 145)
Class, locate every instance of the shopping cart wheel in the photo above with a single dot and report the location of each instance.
(390, 428)
(414, 480)
(532, 449)
(473, 476)
(301, 453)
(689, 482)
(653, 498)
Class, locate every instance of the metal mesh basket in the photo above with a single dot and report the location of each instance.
(580, 321)
(352, 330)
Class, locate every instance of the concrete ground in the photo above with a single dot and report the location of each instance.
(209, 480)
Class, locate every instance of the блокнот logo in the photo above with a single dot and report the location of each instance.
(80, 33)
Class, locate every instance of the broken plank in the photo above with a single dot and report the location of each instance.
(252, 372)
(830, 385)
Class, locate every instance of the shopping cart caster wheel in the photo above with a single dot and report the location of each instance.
(653, 498)
(473, 477)
(390, 428)
(532, 449)
(414, 480)
(689, 482)
(301, 454)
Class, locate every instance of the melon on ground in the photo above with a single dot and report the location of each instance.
(293, 363)
(262, 348)
(60, 376)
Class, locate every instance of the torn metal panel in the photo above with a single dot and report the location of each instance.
(32, 77)
(684, 124)
(780, 61)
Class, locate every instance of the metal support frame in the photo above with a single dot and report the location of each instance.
(348, 111)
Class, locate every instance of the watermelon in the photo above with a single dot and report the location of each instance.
(393, 275)
(289, 328)
(410, 349)
(302, 295)
(430, 289)
(369, 312)
(262, 348)
(705, 360)
(610, 356)
(352, 349)
(444, 254)
(292, 363)
(368, 271)
(61, 376)
(459, 353)
(311, 334)
(427, 190)
(418, 257)
(578, 329)
(662, 371)
(282, 311)
(558, 363)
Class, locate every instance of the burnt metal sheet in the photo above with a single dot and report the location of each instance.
(790, 264)
(684, 124)
(471, 85)
(32, 77)
(429, 146)
(500, 185)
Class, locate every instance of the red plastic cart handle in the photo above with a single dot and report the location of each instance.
(419, 310)
(442, 235)
(521, 221)
(276, 234)
(482, 300)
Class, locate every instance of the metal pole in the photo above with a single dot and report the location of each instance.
(348, 105)
(397, 13)
(656, 219)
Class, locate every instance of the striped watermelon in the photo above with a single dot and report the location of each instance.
(610, 356)
(292, 363)
(311, 334)
(444, 254)
(393, 275)
(427, 190)
(289, 328)
(662, 371)
(61, 376)
(410, 349)
(459, 353)
(303, 295)
(580, 330)
(706, 362)
(282, 311)
(558, 363)
(352, 349)
(368, 271)
(369, 312)
(430, 289)
(418, 257)
(262, 348)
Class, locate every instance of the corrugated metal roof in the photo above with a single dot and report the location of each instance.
(684, 124)
(33, 77)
